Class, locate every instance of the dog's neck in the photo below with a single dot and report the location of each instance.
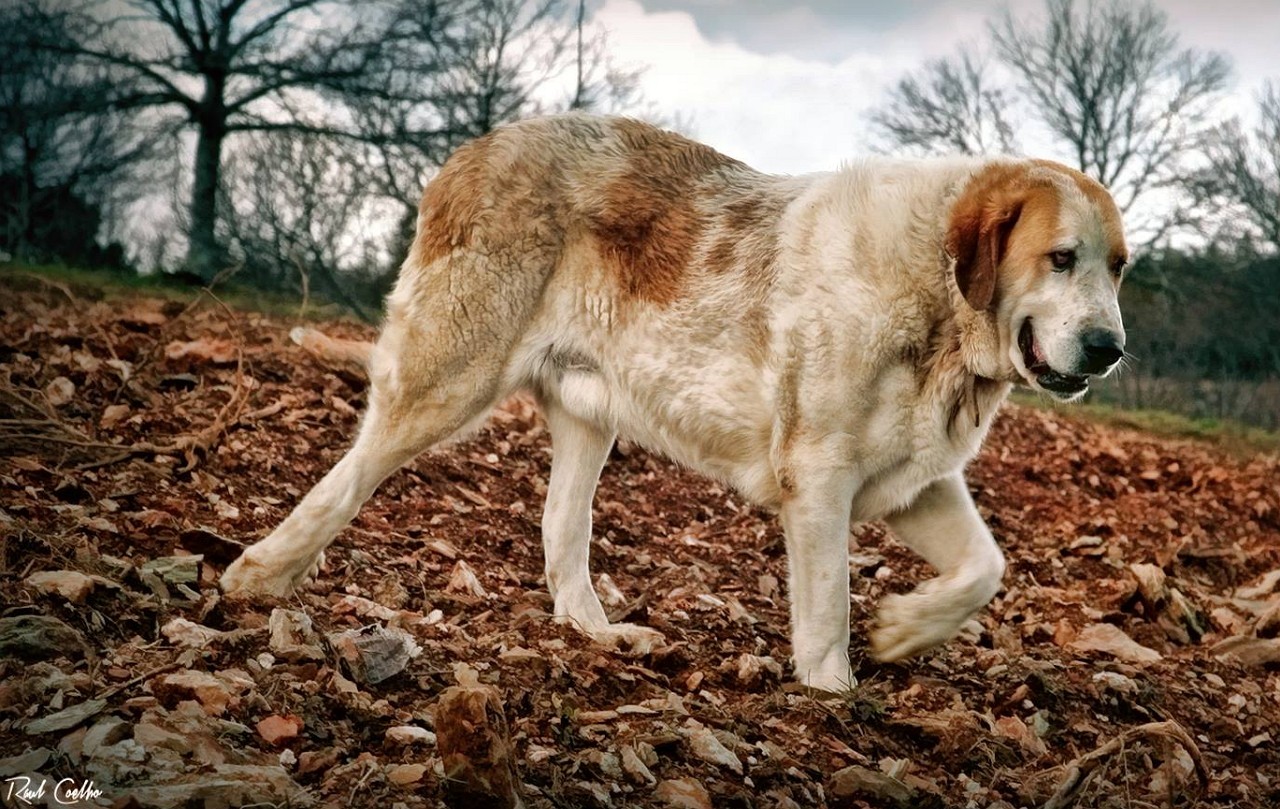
(979, 342)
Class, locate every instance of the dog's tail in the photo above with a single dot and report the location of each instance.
(334, 350)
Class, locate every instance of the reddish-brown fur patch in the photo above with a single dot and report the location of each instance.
(647, 221)
(452, 202)
(998, 201)
(1103, 201)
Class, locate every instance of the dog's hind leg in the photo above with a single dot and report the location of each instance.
(438, 367)
(944, 527)
(392, 433)
(580, 449)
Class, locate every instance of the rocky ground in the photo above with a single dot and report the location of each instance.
(1132, 659)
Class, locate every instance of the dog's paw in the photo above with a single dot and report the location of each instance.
(825, 674)
(249, 576)
(629, 638)
(909, 624)
(827, 684)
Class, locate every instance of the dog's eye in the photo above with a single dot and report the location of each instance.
(1063, 260)
(1118, 265)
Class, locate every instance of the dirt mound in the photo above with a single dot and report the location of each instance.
(142, 440)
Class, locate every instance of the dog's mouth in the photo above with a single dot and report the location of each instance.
(1056, 382)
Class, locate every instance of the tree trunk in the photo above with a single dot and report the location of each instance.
(203, 254)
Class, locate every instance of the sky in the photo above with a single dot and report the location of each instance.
(786, 86)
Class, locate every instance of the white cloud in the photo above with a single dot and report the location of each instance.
(779, 113)
(794, 109)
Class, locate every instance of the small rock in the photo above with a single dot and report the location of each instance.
(72, 585)
(1151, 583)
(226, 785)
(610, 594)
(215, 694)
(704, 744)
(117, 762)
(607, 763)
(317, 760)
(153, 737)
(38, 637)
(410, 734)
(60, 391)
(752, 668)
(67, 718)
(1262, 588)
(476, 751)
(634, 767)
(1013, 728)
(375, 653)
(72, 745)
(181, 632)
(406, 774)
(113, 415)
(292, 636)
(180, 571)
(683, 793)
(858, 781)
(30, 761)
(1249, 650)
(175, 569)
(1115, 681)
(276, 729)
(1112, 640)
(107, 730)
(464, 580)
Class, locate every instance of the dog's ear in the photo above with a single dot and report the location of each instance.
(977, 236)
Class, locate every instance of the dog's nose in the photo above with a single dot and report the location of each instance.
(1102, 349)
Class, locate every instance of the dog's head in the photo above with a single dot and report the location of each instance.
(1041, 247)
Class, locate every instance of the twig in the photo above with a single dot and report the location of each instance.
(1079, 771)
(230, 413)
(116, 689)
(356, 788)
(30, 405)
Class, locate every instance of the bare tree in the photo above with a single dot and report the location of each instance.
(1110, 81)
(399, 82)
(63, 150)
(1244, 168)
(949, 105)
(221, 67)
(297, 218)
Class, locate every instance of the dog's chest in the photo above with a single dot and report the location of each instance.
(910, 440)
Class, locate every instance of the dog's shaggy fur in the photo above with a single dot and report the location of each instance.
(833, 345)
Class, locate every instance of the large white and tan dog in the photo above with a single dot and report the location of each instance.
(833, 345)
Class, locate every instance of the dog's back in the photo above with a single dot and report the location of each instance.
(620, 269)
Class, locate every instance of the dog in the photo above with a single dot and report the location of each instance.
(833, 345)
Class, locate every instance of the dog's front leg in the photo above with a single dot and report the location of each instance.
(944, 527)
(816, 520)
